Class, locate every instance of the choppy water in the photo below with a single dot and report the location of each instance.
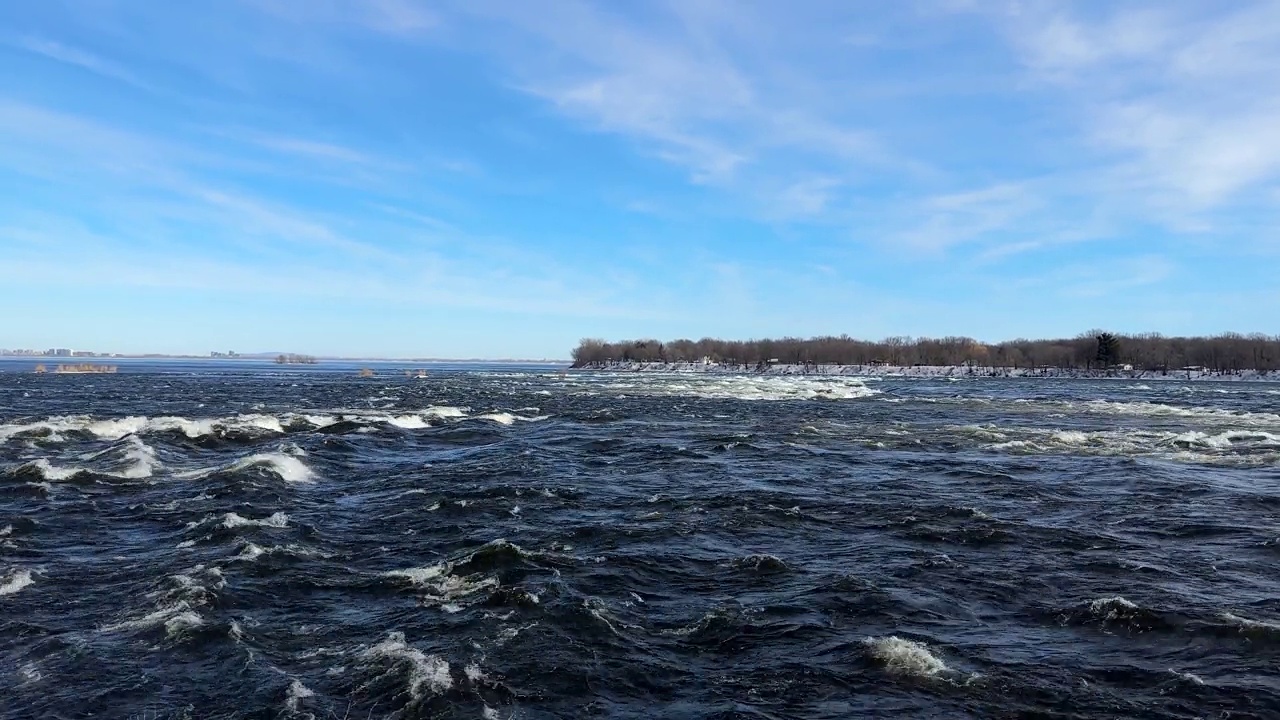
(535, 545)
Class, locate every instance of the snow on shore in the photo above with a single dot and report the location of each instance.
(931, 371)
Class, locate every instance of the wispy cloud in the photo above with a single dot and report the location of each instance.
(685, 83)
(1100, 279)
(406, 18)
(957, 218)
(312, 149)
(179, 222)
(79, 58)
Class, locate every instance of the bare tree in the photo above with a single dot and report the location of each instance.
(1229, 352)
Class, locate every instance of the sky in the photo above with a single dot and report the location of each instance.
(483, 178)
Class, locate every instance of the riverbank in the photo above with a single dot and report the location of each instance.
(933, 371)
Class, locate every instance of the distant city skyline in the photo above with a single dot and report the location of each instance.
(233, 355)
(496, 179)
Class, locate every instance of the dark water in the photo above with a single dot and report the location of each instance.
(527, 544)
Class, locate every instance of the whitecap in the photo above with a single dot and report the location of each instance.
(1070, 437)
(15, 582)
(250, 552)
(49, 471)
(409, 422)
(297, 693)
(905, 657)
(1112, 608)
(142, 461)
(1245, 624)
(425, 672)
(116, 429)
(422, 575)
(445, 412)
(275, 520)
(176, 619)
(289, 468)
(1188, 677)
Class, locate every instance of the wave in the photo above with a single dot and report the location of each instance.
(289, 468)
(905, 657)
(142, 461)
(1237, 447)
(1252, 627)
(250, 425)
(758, 388)
(177, 603)
(447, 583)
(440, 588)
(138, 462)
(47, 470)
(445, 412)
(251, 552)
(505, 418)
(1148, 409)
(177, 619)
(409, 422)
(15, 582)
(1118, 611)
(276, 520)
(763, 564)
(424, 673)
(296, 694)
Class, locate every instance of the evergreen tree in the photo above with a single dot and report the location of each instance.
(1108, 350)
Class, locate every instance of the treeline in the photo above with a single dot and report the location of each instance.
(293, 359)
(1094, 350)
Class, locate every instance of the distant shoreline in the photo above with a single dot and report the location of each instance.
(931, 371)
(272, 357)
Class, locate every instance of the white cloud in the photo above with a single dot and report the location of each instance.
(1184, 108)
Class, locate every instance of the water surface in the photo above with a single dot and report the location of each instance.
(222, 540)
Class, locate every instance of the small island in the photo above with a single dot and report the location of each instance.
(77, 369)
(294, 359)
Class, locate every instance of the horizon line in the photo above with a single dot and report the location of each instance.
(273, 355)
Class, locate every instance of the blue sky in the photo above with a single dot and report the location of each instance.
(499, 179)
